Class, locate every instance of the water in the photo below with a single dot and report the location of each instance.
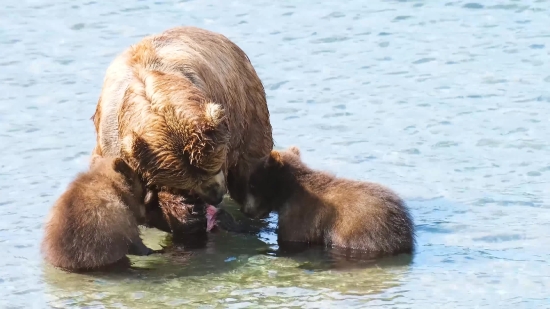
(446, 103)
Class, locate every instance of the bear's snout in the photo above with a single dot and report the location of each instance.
(213, 196)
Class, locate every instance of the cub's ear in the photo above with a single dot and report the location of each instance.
(274, 159)
(151, 198)
(295, 150)
(214, 114)
(120, 166)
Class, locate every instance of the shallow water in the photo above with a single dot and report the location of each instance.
(447, 103)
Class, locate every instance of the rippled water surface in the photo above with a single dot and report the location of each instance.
(446, 102)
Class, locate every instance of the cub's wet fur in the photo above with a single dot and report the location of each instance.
(319, 208)
(94, 223)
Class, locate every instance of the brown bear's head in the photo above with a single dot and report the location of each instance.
(272, 182)
(182, 149)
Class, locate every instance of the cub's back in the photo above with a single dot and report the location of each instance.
(369, 216)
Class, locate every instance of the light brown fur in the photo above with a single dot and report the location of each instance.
(94, 223)
(318, 208)
(180, 107)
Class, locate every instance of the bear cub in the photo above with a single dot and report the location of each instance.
(94, 223)
(315, 207)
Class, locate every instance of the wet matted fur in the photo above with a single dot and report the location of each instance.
(186, 109)
(94, 223)
(316, 207)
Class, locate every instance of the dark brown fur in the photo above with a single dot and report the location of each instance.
(175, 212)
(183, 107)
(318, 208)
(94, 223)
(184, 216)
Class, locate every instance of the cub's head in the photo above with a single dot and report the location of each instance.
(118, 170)
(271, 182)
(182, 149)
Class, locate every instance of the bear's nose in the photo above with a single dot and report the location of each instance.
(214, 195)
(216, 200)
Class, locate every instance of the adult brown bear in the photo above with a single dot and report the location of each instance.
(185, 109)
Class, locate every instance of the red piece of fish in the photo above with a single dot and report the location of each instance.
(210, 217)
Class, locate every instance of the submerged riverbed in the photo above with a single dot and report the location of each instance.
(447, 103)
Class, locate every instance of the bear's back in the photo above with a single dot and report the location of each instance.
(369, 216)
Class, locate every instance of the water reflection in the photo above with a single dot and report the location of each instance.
(229, 265)
(319, 258)
(248, 266)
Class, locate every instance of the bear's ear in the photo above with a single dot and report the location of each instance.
(134, 149)
(274, 159)
(127, 145)
(214, 114)
(120, 166)
(295, 150)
